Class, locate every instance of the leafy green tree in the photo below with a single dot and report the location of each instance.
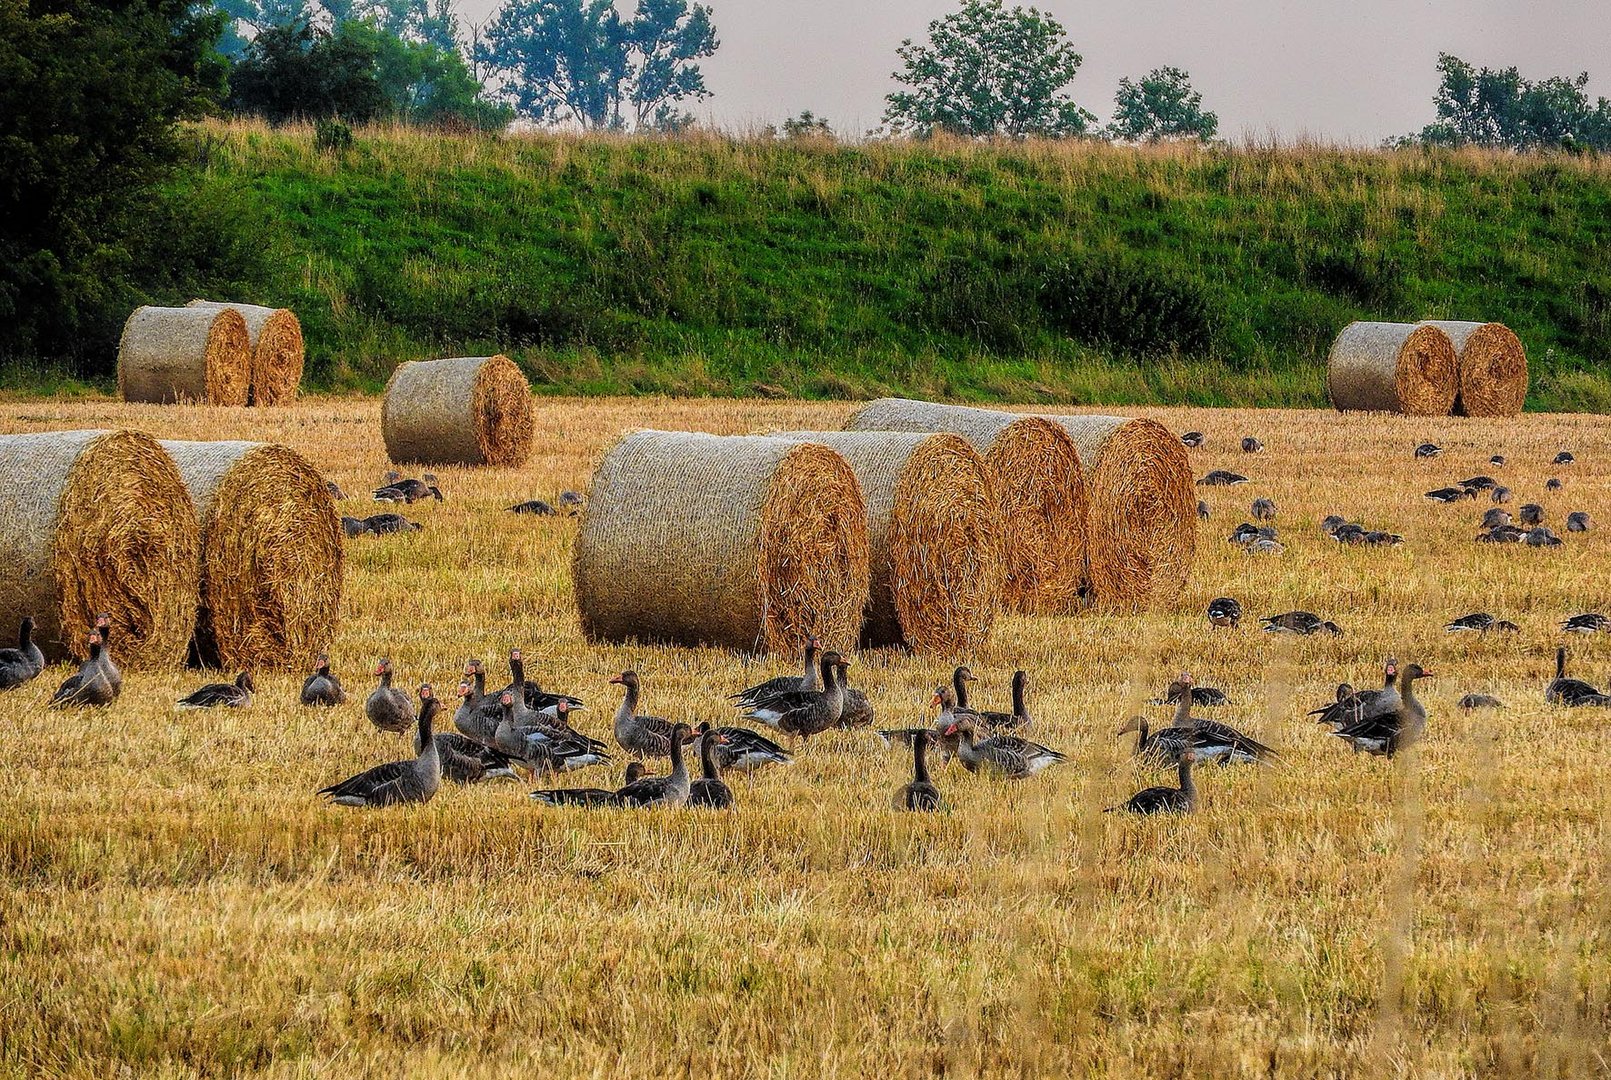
(1162, 105)
(429, 22)
(807, 125)
(299, 72)
(1499, 108)
(426, 84)
(580, 60)
(987, 71)
(90, 93)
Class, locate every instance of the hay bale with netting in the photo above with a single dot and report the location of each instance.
(933, 536)
(194, 355)
(746, 542)
(468, 410)
(1393, 367)
(95, 522)
(276, 350)
(1141, 509)
(1036, 470)
(271, 555)
(1493, 367)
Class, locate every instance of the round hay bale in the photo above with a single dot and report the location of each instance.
(271, 554)
(468, 410)
(93, 522)
(1036, 470)
(746, 542)
(277, 350)
(1493, 367)
(1141, 509)
(933, 535)
(184, 354)
(1393, 367)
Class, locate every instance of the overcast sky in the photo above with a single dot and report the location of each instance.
(1342, 70)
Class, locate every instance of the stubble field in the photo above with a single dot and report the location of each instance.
(175, 900)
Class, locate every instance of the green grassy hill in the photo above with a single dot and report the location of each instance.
(1042, 271)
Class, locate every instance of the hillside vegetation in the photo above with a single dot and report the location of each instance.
(1053, 271)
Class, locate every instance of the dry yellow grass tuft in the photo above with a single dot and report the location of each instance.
(173, 899)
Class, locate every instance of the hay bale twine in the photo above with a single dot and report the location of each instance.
(1393, 367)
(933, 537)
(1493, 367)
(276, 350)
(1141, 509)
(468, 410)
(1036, 470)
(271, 554)
(93, 522)
(184, 354)
(746, 542)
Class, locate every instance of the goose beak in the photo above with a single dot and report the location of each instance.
(934, 701)
(951, 729)
(618, 681)
(1425, 674)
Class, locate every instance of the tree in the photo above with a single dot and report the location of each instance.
(1161, 106)
(298, 72)
(807, 125)
(90, 94)
(1499, 108)
(429, 22)
(988, 71)
(579, 60)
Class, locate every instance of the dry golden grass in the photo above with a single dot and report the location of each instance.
(174, 899)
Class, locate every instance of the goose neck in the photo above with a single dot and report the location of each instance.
(920, 758)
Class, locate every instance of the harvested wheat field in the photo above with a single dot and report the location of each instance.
(176, 901)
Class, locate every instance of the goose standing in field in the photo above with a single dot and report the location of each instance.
(1007, 756)
(1263, 509)
(810, 680)
(1194, 439)
(1495, 517)
(1302, 623)
(1157, 746)
(1563, 458)
(1165, 800)
(114, 677)
(531, 692)
(1354, 704)
(541, 748)
(396, 782)
(469, 717)
(1590, 622)
(669, 790)
(382, 524)
(709, 789)
(89, 686)
(1213, 740)
(739, 749)
(921, 794)
(1570, 692)
(996, 721)
(642, 736)
(1222, 478)
(323, 687)
(591, 796)
(1480, 701)
(1478, 483)
(1451, 494)
(1578, 521)
(855, 711)
(1385, 732)
(536, 507)
(23, 663)
(409, 491)
(1202, 510)
(1344, 707)
(1428, 450)
(806, 713)
(1500, 494)
(387, 707)
(235, 695)
(1530, 514)
(1250, 445)
(1224, 611)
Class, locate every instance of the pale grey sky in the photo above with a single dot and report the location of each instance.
(1344, 71)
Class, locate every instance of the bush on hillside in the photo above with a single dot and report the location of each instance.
(1121, 302)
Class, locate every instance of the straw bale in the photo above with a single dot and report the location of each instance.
(277, 350)
(197, 355)
(1493, 367)
(467, 410)
(1393, 367)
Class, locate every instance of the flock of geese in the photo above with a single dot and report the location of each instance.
(406, 490)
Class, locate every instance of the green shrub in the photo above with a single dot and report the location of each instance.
(1124, 303)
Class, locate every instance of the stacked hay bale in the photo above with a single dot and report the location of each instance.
(933, 531)
(271, 554)
(186, 354)
(1141, 509)
(467, 410)
(1409, 368)
(95, 522)
(747, 542)
(277, 353)
(1039, 483)
(1493, 367)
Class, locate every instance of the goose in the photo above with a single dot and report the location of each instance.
(591, 796)
(669, 790)
(468, 717)
(856, 711)
(1497, 460)
(1244, 534)
(1578, 521)
(1530, 514)
(1349, 533)
(1503, 534)
(1478, 483)
(741, 750)
(1553, 484)
(533, 506)
(323, 687)
(1165, 800)
(1159, 746)
(1500, 494)
(1019, 717)
(1451, 494)
(1570, 692)
(1591, 622)
(1007, 756)
(541, 748)
(806, 713)
(1386, 731)
(1200, 695)
(1222, 478)
(1202, 510)
(1265, 546)
(1563, 458)
(642, 736)
(1250, 445)
(1194, 439)
(114, 677)
(89, 685)
(1303, 623)
(387, 707)
(921, 794)
(235, 695)
(784, 684)
(353, 526)
(396, 782)
(1213, 740)
(1376, 538)
(1479, 622)
(1480, 701)
(409, 491)
(572, 501)
(1331, 523)
(23, 663)
(1263, 509)
(381, 524)
(1355, 703)
(1542, 537)
(709, 789)
(466, 761)
(1428, 450)
(1495, 517)
(1342, 706)
(1224, 611)
(535, 697)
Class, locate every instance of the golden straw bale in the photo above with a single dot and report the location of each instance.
(467, 410)
(1493, 367)
(200, 355)
(277, 350)
(1393, 367)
